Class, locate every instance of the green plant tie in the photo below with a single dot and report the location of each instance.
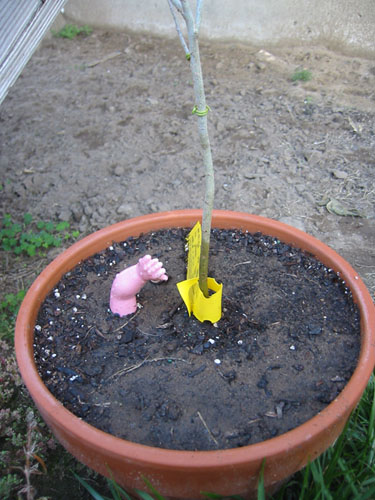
(188, 56)
(200, 113)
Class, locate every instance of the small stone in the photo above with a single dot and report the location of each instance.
(77, 211)
(230, 376)
(260, 66)
(263, 55)
(119, 171)
(152, 101)
(339, 174)
(124, 209)
(298, 368)
(315, 329)
(217, 361)
(292, 347)
(198, 349)
(127, 337)
(92, 371)
(170, 347)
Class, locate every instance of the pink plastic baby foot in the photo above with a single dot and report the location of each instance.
(128, 283)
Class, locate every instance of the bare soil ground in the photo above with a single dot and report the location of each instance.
(99, 128)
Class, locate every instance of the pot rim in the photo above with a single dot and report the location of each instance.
(192, 460)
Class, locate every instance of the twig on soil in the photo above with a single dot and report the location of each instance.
(148, 334)
(103, 405)
(245, 262)
(129, 369)
(254, 421)
(98, 332)
(112, 55)
(357, 128)
(174, 309)
(290, 112)
(206, 427)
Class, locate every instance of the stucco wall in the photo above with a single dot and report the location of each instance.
(348, 24)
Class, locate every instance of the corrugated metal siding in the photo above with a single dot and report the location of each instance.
(23, 24)
(14, 17)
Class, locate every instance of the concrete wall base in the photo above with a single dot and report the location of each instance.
(348, 25)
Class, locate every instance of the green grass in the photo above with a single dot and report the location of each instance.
(70, 31)
(31, 237)
(301, 75)
(346, 471)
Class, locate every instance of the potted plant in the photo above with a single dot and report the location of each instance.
(185, 474)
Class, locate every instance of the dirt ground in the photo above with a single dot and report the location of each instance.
(99, 129)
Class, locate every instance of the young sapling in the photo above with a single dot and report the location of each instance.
(128, 282)
(191, 48)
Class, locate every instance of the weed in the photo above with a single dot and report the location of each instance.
(30, 237)
(301, 75)
(32, 460)
(70, 31)
(8, 484)
(9, 387)
(24, 438)
(8, 311)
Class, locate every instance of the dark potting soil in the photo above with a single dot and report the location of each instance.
(285, 347)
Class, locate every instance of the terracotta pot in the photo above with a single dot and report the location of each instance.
(184, 474)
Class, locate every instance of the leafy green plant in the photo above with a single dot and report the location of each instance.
(8, 311)
(29, 237)
(70, 31)
(301, 75)
(8, 484)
